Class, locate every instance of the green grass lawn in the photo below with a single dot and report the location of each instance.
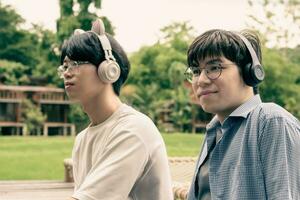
(38, 158)
(183, 144)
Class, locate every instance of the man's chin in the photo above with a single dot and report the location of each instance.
(208, 109)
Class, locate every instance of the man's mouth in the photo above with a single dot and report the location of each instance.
(69, 84)
(206, 93)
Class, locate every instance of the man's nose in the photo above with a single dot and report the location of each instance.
(67, 73)
(202, 79)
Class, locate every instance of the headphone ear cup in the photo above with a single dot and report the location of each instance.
(247, 74)
(253, 75)
(257, 74)
(109, 71)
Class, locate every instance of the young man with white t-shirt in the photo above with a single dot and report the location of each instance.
(121, 154)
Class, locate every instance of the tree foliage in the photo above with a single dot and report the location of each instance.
(30, 57)
(44, 72)
(32, 117)
(13, 73)
(281, 84)
(30, 51)
(277, 20)
(157, 75)
(79, 14)
(78, 117)
(15, 44)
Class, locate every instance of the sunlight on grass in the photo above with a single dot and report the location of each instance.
(26, 158)
(41, 158)
(183, 144)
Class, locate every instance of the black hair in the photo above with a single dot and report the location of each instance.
(216, 43)
(87, 47)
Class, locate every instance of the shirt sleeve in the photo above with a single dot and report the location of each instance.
(279, 147)
(115, 171)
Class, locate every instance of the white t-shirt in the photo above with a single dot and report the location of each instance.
(120, 159)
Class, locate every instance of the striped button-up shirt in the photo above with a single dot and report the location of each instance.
(257, 157)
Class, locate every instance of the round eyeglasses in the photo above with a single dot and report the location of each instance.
(70, 66)
(212, 71)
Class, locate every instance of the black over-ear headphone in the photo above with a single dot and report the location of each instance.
(253, 73)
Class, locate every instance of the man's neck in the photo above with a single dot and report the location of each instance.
(101, 107)
(224, 115)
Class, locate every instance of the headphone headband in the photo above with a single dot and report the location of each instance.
(253, 73)
(99, 29)
(109, 71)
(254, 57)
(105, 45)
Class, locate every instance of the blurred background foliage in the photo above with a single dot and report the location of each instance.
(156, 81)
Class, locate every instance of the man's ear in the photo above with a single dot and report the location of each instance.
(98, 27)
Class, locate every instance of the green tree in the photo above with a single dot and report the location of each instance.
(32, 117)
(16, 44)
(45, 71)
(157, 76)
(277, 20)
(30, 51)
(13, 73)
(281, 84)
(78, 117)
(293, 54)
(79, 14)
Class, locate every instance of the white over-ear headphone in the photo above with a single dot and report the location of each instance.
(108, 70)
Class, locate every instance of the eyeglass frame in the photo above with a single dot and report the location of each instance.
(74, 64)
(220, 68)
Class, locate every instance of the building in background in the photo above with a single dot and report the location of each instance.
(52, 102)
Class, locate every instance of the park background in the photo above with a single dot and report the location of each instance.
(29, 55)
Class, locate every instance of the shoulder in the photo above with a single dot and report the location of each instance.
(132, 123)
(274, 118)
(271, 111)
(80, 135)
(133, 119)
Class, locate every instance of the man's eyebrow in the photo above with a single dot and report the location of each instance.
(213, 61)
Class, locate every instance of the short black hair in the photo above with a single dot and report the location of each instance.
(87, 47)
(217, 42)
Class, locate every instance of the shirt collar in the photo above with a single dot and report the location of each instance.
(244, 109)
(214, 122)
